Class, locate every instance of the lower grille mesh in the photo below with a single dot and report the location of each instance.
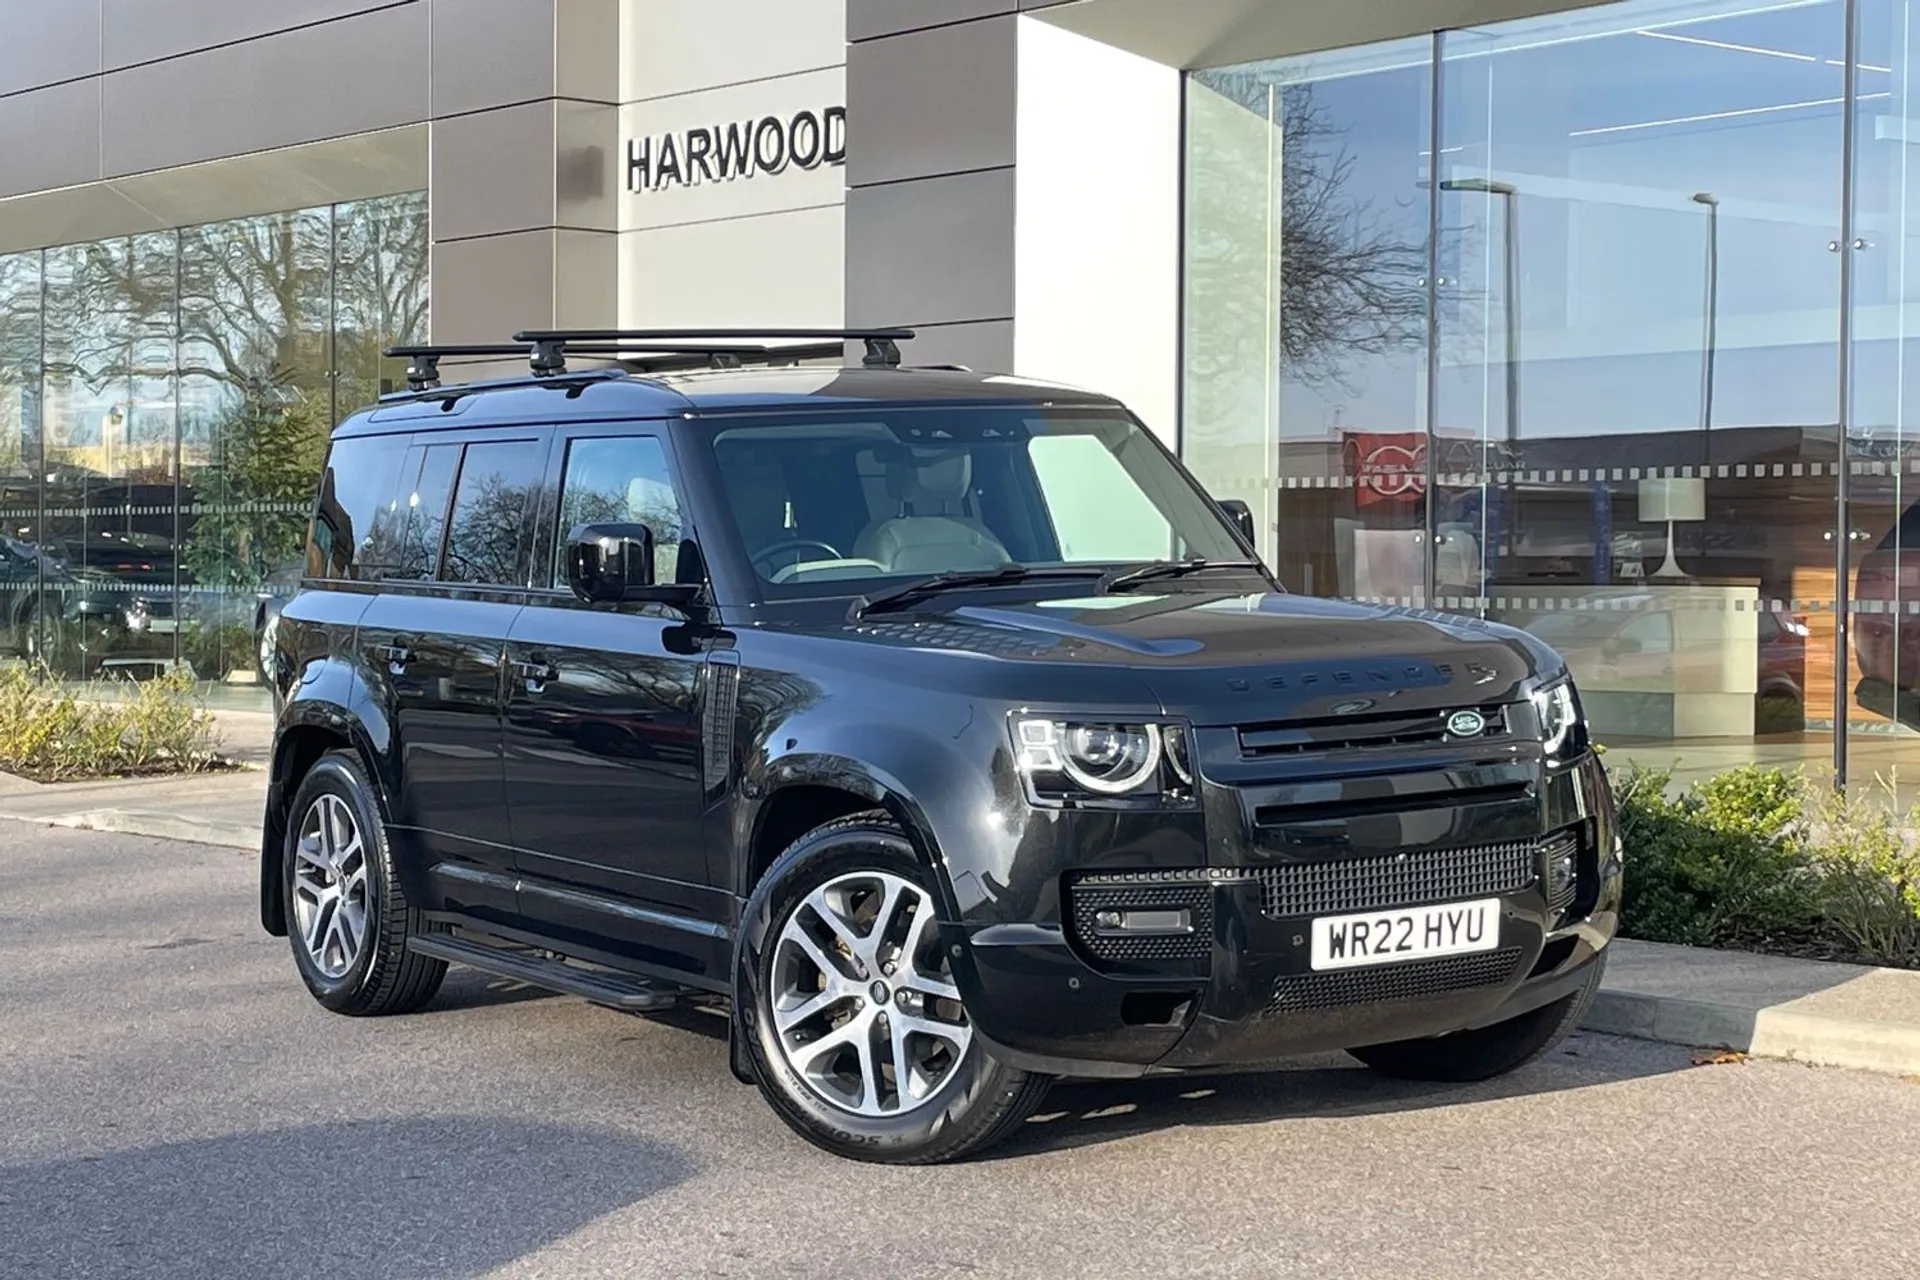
(1398, 880)
(1409, 980)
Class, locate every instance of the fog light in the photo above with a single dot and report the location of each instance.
(1144, 922)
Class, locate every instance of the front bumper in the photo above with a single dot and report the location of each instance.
(1247, 992)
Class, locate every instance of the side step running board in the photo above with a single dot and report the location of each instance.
(628, 992)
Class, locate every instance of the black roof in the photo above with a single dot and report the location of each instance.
(612, 393)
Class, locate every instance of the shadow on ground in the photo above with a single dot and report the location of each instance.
(457, 1196)
(1081, 1113)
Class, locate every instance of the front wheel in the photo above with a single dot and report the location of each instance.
(1486, 1052)
(852, 1023)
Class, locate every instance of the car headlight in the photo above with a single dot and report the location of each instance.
(1074, 761)
(1562, 733)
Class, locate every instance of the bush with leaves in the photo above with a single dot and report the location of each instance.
(1759, 857)
(50, 732)
(1724, 862)
(1869, 860)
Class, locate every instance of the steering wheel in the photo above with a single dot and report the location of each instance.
(791, 544)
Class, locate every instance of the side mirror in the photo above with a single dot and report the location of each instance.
(611, 563)
(1242, 516)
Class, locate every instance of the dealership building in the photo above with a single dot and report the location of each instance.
(1587, 318)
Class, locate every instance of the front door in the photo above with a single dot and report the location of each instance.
(603, 736)
(434, 641)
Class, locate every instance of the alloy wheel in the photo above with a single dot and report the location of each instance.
(330, 904)
(863, 1002)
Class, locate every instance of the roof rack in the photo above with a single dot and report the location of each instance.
(546, 349)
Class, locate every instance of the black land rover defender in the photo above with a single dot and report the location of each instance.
(937, 726)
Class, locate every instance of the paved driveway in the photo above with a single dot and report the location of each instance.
(172, 1104)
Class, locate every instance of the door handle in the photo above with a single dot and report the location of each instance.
(534, 673)
(396, 656)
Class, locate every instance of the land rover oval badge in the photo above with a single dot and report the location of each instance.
(1466, 724)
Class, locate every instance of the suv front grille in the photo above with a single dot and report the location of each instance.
(1360, 732)
(1409, 980)
(1403, 879)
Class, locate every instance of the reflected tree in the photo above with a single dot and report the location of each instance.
(1350, 275)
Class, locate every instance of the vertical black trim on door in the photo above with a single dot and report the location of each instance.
(716, 727)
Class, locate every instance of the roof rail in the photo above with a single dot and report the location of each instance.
(657, 350)
(883, 345)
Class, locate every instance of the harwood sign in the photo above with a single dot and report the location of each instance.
(743, 149)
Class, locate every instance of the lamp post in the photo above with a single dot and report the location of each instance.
(1712, 204)
(1510, 286)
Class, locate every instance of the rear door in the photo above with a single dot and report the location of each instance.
(452, 554)
(604, 776)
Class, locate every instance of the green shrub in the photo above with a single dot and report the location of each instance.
(1723, 862)
(1760, 857)
(1870, 882)
(50, 732)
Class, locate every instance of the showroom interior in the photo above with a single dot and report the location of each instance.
(1589, 319)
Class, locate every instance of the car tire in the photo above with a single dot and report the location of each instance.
(1486, 1052)
(959, 1100)
(348, 918)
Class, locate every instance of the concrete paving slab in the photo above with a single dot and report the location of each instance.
(206, 808)
(1815, 1011)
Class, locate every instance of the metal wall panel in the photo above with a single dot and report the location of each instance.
(61, 43)
(318, 82)
(933, 102)
(782, 269)
(136, 31)
(868, 19)
(681, 46)
(50, 137)
(491, 53)
(938, 250)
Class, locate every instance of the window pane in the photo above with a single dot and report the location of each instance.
(423, 508)
(359, 488)
(1306, 343)
(622, 480)
(1099, 512)
(1638, 364)
(380, 293)
(487, 542)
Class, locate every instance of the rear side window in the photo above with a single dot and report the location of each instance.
(622, 480)
(407, 534)
(487, 535)
(358, 488)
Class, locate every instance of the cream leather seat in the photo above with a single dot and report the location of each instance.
(931, 532)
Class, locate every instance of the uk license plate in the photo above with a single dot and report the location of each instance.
(1410, 933)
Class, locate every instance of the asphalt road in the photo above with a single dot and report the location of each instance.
(173, 1104)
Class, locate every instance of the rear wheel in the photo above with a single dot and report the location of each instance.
(852, 1024)
(347, 916)
(1486, 1052)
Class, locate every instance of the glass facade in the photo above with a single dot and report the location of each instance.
(1597, 324)
(165, 401)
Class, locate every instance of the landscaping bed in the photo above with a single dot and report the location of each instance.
(1765, 860)
(53, 732)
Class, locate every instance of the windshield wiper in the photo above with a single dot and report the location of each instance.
(920, 589)
(1121, 579)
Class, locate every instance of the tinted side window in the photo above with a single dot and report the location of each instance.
(407, 535)
(621, 479)
(360, 483)
(487, 538)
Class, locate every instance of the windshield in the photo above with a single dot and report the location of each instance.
(827, 505)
